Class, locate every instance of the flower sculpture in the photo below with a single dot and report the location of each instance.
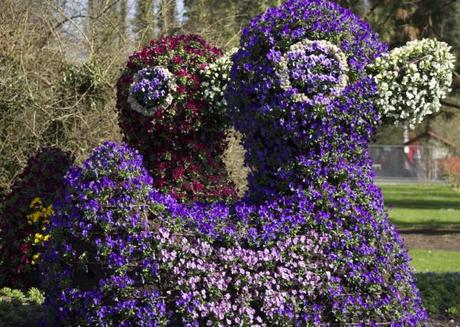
(99, 266)
(310, 244)
(164, 114)
(28, 208)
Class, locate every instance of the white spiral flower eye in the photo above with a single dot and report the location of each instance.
(151, 90)
(313, 69)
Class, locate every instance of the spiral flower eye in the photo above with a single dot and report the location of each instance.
(313, 70)
(151, 90)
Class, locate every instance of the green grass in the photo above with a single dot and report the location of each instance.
(423, 206)
(435, 261)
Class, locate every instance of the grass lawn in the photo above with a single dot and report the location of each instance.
(435, 261)
(423, 206)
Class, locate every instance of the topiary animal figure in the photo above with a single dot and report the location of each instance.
(178, 127)
(311, 243)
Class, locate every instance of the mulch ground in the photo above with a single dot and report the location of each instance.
(437, 241)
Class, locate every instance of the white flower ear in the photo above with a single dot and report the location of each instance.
(412, 80)
(215, 79)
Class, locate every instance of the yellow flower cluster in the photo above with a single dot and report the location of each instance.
(40, 238)
(40, 215)
(35, 258)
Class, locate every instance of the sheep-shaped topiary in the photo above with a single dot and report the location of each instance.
(167, 110)
(309, 245)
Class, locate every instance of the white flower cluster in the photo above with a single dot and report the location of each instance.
(216, 77)
(412, 80)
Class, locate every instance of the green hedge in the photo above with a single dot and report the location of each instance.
(440, 292)
(19, 309)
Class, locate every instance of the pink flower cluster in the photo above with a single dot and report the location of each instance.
(209, 283)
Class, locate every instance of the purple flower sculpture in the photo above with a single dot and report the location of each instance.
(309, 245)
(99, 267)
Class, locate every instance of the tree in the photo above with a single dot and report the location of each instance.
(144, 21)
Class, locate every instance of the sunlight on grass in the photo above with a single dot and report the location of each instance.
(423, 206)
(435, 260)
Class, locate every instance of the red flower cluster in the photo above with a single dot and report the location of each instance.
(183, 144)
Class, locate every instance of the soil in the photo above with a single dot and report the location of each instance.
(444, 322)
(442, 241)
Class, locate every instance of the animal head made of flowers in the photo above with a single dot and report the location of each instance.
(311, 83)
(171, 108)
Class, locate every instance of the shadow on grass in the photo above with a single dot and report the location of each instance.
(432, 227)
(423, 204)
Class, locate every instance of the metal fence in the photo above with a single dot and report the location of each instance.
(416, 163)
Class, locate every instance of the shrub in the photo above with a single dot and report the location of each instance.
(27, 210)
(440, 292)
(19, 309)
(165, 115)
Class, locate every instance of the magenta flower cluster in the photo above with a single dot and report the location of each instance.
(309, 245)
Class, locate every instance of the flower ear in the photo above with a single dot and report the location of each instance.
(412, 80)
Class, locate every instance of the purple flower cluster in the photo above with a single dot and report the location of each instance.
(315, 257)
(320, 257)
(151, 89)
(99, 266)
(206, 283)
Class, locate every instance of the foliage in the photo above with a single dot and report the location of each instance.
(47, 97)
(27, 210)
(412, 80)
(440, 292)
(183, 140)
(99, 268)
(19, 309)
